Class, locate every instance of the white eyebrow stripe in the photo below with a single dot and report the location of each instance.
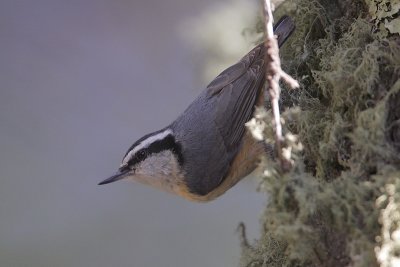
(145, 143)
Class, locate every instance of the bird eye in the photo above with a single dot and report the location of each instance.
(141, 155)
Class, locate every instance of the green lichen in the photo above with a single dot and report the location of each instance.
(340, 205)
(388, 251)
(385, 14)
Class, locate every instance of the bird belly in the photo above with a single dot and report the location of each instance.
(246, 161)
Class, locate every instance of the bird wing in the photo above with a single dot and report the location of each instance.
(232, 97)
(214, 122)
(235, 92)
(238, 88)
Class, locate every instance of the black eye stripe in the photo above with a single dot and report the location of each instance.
(142, 139)
(141, 154)
(138, 157)
(168, 143)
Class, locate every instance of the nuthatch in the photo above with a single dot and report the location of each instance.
(207, 149)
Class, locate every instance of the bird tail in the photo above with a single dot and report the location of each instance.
(283, 29)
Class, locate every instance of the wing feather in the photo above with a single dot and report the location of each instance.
(218, 118)
(236, 91)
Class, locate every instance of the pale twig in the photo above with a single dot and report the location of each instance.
(273, 74)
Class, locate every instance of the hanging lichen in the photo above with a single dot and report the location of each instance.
(340, 205)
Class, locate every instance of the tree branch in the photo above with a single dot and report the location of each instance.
(273, 75)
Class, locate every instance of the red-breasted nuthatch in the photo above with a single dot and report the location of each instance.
(207, 149)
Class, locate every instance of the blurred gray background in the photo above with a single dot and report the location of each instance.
(80, 81)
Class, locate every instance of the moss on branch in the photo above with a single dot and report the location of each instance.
(340, 205)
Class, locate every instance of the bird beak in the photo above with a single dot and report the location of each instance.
(118, 176)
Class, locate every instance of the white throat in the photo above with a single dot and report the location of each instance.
(160, 170)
